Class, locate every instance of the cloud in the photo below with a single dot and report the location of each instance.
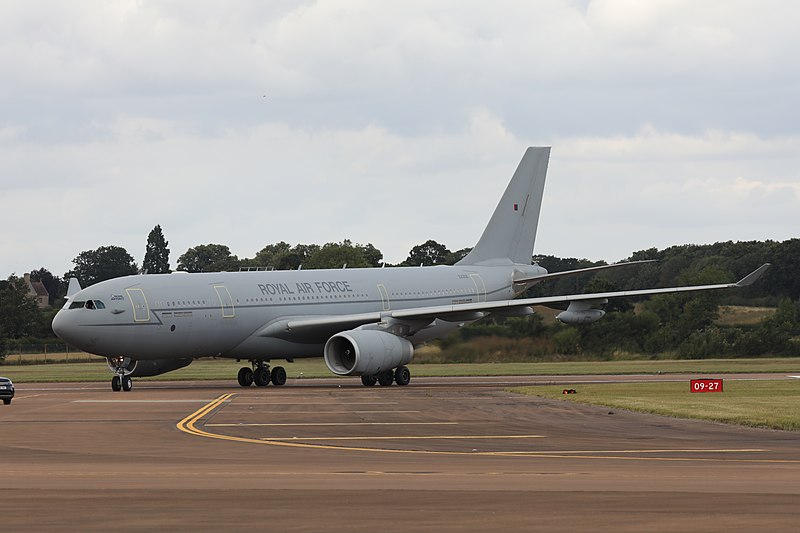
(659, 188)
(277, 182)
(247, 123)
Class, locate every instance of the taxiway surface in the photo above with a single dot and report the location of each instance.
(443, 454)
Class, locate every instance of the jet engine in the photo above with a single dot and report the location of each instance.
(581, 312)
(366, 352)
(147, 367)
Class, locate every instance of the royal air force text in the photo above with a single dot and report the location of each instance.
(317, 287)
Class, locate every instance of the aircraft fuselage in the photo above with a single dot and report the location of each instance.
(224, 314)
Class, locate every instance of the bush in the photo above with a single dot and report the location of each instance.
(497, 349)
(567, 341)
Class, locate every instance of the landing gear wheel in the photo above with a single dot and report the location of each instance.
(116, 385)
(7, 401)
(386, 378)
(278, 376)
(127, 383)
(245, 376)
(369, 381)
(261, 376)
(402, 376)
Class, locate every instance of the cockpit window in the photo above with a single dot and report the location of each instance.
(87, 304)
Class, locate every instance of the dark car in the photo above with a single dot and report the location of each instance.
(6, 390)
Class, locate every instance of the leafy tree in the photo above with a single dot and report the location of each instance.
(208, 258)
(276, 256)
(19, 312)
(282, 256)
(618, 332)
(682, 314)
(107, 262)
(156, 256)
(372, 255)
(335, 255)
(428, 253)
(568, 341)
(783, 275)
(458, 255)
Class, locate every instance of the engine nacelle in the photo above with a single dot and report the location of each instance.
(580, 313)
(366, 352)
(147, 367)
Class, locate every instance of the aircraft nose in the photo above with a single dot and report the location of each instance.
(61, 326)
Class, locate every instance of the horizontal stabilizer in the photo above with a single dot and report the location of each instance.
(556, 275)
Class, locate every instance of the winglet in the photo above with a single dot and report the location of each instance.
(753, 276)
(73, 288)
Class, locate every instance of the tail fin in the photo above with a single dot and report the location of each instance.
(512, 229)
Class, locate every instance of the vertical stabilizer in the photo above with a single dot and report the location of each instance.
(512, 229)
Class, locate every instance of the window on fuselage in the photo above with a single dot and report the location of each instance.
(88, 304)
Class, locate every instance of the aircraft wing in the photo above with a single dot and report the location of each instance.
(323, 326)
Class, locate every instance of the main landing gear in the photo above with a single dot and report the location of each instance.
(261, 375)
(401, 376)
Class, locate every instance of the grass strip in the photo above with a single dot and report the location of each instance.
(214, 369)
(771, 404)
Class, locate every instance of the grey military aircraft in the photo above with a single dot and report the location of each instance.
(364, 321)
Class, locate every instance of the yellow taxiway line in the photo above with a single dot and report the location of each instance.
(189, 425)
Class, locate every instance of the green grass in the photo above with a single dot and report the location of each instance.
(202, 369)
(207, 369)
(770, 404)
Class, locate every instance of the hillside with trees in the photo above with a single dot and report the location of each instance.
(681, 325)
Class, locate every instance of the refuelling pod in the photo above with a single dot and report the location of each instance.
(581, 312)
(366, 352)
(149, 367)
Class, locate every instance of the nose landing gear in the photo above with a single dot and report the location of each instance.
(121, 383)
(122, 368)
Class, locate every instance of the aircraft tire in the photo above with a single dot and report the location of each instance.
(386, 378)
(402, 376)
(245, 376)
(369, 381)
(278, 376)
(116, 385)
(7, 401)
(127, 383)
(261, 376)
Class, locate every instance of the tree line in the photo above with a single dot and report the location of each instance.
(109, 262)
(683, 324)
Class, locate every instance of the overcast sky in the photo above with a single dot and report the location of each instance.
(247, 123)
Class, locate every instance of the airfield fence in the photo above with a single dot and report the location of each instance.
(41, 354)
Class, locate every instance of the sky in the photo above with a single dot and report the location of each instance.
(247, 123)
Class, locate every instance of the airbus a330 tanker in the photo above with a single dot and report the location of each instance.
(364, 321)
